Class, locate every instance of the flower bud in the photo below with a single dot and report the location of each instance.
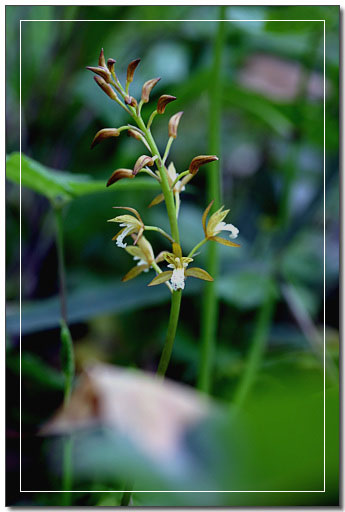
(101, 59)
(131, 68)
(119, 174)
(104, 134)
(129, 100)
(133, 133)
(111, 65)
(142, 161)
(198, 161)
(147, 88)
(163, 101)
(103, 72)
(173, 124)
(105, 87)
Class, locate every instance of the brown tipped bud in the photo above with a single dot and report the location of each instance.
(105, 87)
(141, 162)
(173, 124)
(101, 59)
(163, 101)
(119, 174)
(103, 72)
(198, 161)
(131, 68)
(106, 133)
(129, 100)
(111, 65)
(133, 133)
(147, 88)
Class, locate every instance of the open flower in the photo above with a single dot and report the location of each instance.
(177, 189)
(180, 272)
(216, 225)
(143, 254)
(129, 225)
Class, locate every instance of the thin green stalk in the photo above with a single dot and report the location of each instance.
(200, 244)
(61, 261)
(171, 332)
(210, 301)
(67, 356)
(257, 348)
(168, 193)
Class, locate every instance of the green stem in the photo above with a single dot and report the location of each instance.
(67, 355)
(159, 230)
(167, 149)
(171, 332)
(210, 301)
(168, 193)
(257, 348)
(200, 244)
(61, 261)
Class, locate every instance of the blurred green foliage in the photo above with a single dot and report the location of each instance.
(272, 179)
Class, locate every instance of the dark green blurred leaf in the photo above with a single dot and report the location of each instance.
(35, 369)
(246, 289)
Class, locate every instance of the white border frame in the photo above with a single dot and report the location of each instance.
(324, 255)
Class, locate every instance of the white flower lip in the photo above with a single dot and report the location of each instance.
(222, 226)
(178, 279)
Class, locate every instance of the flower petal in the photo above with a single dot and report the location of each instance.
(156, 200)
(105, 133)
(163, 101)
(177, 250)
(223, 241)
(119, 174)
(173, 124)
(204, 216)
(131, 68)
(119, 233)
(130, 210)
(142, 161)
(200, 160)
(199, 273)
(147, 88)
(101, 58)
(161, 278)
(134, 272)
(161, 256)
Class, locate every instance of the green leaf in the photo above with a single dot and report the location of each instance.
(36, 370)
(67, 357)
(247, 289)
(62, 185)
(89, 301)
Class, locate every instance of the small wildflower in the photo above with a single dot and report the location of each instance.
(216, 225)
(119, 174)
(180, 272)
(143, 254)
(163, 101)
(173, 124)
(147, 88)
(129, 225)
(109, 91)
(105, 133)
(200, 160)
(178, 187)
(131, 68)
(142, 161)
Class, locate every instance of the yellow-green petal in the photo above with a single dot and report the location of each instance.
(199, 273)
(223, 241)
(161, 278)
(134, 272)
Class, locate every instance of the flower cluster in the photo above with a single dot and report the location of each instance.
(172, 184)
